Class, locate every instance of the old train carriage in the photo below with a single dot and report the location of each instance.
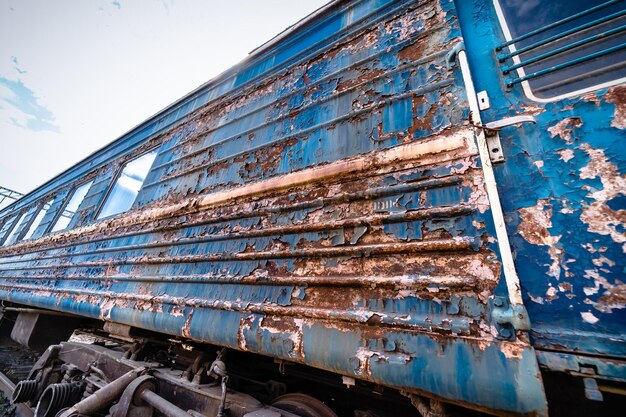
(392, 207)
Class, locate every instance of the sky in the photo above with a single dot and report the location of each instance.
(77, 74)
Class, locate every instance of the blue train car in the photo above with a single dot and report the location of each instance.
(392, 208)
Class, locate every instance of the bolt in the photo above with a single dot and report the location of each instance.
(505, 333)
(498, 302)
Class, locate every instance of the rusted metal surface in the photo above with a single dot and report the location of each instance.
(104, 380)
(563, 192)
(325, 203)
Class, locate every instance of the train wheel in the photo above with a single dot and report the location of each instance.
(303, 405)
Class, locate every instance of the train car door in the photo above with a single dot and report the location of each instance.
(550, 99)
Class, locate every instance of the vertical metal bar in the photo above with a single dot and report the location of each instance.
(580, 60)
(510, 274)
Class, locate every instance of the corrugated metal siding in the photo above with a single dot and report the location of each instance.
(332, 213)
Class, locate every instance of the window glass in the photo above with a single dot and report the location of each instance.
(70, 209)
(5, 227)
(127, 186)
(13, 235)
(587, 50)
(38, 219)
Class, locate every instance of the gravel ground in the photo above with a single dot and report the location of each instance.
(16, 360)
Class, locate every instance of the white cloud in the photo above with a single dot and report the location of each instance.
(22, 108)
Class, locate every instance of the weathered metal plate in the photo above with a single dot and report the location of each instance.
(324, 204)
(563, 191)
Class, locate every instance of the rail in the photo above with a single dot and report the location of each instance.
(564, 41)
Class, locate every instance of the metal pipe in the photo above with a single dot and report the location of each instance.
(165, 407)
(104, 396)
(220, 410)
(557, 51)
(38, 311)
(557, 23)
(558, 36)
(582, 59)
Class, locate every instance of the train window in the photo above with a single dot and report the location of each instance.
(38, 219)
(562, 48)
(12, 237)
(70, 209)
(127, 186)
(6, 226)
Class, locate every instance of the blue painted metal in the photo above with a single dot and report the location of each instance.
(562, 190)
(323, 202)
(584, 366)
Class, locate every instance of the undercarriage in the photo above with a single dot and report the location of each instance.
(119, 371)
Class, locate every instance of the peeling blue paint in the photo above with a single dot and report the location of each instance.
(386, 269)
(571, 284)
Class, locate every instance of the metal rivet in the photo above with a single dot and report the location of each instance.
(498, 302)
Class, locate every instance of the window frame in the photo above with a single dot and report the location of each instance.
(11, 232)
(3, 221)
(521, 73)
(64, 205)
(10, 219)
(116, 177)
(40, 207)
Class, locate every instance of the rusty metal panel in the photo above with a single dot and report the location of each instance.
(323, 203)
(563, 186)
